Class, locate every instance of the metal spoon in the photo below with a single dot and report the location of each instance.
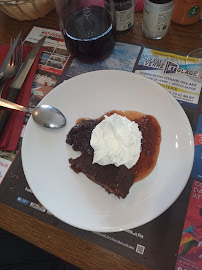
(44, 115)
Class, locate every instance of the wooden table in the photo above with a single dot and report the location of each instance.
(180, 39)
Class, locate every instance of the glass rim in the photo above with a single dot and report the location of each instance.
(197, 62)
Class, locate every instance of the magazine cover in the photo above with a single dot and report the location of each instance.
(190, 250)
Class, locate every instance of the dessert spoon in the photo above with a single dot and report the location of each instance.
(44, 115)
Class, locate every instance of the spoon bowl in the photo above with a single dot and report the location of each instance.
(44, 115)
(48, 116)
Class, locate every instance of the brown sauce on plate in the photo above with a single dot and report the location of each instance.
(151, 139)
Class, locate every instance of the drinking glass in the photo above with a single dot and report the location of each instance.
(194, 64)
(88, 27)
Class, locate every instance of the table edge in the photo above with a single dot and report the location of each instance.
(90, 257)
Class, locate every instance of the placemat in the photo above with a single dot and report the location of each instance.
(170, 241)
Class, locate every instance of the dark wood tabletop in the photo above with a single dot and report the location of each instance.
(79, 252)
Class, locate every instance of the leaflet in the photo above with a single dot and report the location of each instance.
(173, 72)
(55, 56)
(190, 250)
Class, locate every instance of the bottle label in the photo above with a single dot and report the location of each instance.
(125, 18)
(156, 23)
(192, 12)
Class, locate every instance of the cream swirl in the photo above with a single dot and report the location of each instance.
(116, 140)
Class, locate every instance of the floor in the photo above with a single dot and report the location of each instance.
(17, 254)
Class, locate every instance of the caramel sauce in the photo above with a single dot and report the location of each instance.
(151, 139)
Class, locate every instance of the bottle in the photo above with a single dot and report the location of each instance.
(125, 11)
(156, 18)
(186, 11)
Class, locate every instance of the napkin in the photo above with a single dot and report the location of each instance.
(11, 134)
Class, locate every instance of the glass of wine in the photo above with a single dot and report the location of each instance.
(88, 27)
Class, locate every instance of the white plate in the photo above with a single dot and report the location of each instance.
(72, 197)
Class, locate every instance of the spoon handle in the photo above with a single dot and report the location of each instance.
(10, 105)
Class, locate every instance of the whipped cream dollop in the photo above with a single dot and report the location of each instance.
(116, 140)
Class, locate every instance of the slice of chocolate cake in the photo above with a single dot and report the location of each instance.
(79, 136)
(117, 180)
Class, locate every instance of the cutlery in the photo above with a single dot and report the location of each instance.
(8, 56)
(14, 90)
(13, 66)
(44, 115)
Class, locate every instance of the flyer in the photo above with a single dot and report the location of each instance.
(55, 56)
(197, 167)
(190, 250)
(123, 57)
(173, 73)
